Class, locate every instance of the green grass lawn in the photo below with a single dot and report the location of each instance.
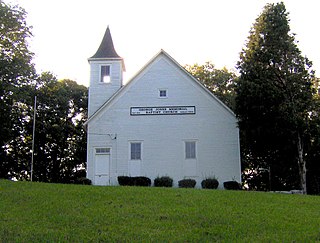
(40, 212)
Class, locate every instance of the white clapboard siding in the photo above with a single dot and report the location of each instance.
(213, 127)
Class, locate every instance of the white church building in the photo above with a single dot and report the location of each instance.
(163, 122)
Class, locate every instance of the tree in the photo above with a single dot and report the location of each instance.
(60, 144)
(219, 81)
(16, 73)
(274, 99)
(313, 153)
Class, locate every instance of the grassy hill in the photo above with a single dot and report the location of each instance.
(39, 212)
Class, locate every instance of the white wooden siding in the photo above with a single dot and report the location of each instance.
(213, 127)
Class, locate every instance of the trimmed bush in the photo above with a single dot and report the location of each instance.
(125, 181)
(164, 181)
(231, 185)
(210, 183)
(83, 181)
(187, 183)
(134, 181)
(141, 181)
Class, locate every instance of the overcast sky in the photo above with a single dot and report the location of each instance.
(68, 32)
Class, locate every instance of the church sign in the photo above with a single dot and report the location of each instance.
(163, 110)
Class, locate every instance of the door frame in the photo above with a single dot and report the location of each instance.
(102, 151)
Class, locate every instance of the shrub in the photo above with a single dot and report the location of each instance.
(231, 185)
(80, 173)
(164, 181)
(134, 181)
(141, 181)
(187, 183)
(125, 181)
(83, 181)
(210, 183)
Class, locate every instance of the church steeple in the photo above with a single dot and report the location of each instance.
(106, 73)
(106, 48)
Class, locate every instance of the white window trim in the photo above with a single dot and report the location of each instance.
(141, 150)
(110, 70)
(162, 97)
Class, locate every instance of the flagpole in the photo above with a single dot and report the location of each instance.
(33, 134)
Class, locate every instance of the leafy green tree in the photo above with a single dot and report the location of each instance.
(60, 141)
(274, 99)
(313, 153)
(60, 138)
(16, 74)
(220, 82)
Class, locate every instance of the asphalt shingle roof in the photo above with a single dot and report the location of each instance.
(106, 48)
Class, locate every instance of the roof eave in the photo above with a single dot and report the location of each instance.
(106, 59)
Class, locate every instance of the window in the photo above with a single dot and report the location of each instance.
(190, 149)
(102, 150)
(163, 93)
(135, 151)
(105, 74)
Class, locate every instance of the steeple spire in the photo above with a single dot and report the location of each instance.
(106, 73)
(106, 48)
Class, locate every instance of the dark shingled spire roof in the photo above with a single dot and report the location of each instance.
(106, 48)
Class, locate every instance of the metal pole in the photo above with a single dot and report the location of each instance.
(33, 133)
(270, 187)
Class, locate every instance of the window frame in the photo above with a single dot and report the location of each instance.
(190, 152)
(102, 150)
(102, 76)
(163, 90)
(135, 155)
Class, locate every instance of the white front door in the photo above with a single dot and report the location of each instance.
(102, 169)
(135, 168)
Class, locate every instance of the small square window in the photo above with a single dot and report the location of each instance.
(163, 93)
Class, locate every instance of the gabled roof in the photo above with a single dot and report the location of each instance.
(106, 48)
(127, 86)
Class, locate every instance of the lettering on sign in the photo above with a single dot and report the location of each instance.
(163, 110)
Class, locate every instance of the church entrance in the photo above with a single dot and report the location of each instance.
(102, 167)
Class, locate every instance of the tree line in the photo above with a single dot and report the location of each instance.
(275, 97)
(61, 109)
(274, 94)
